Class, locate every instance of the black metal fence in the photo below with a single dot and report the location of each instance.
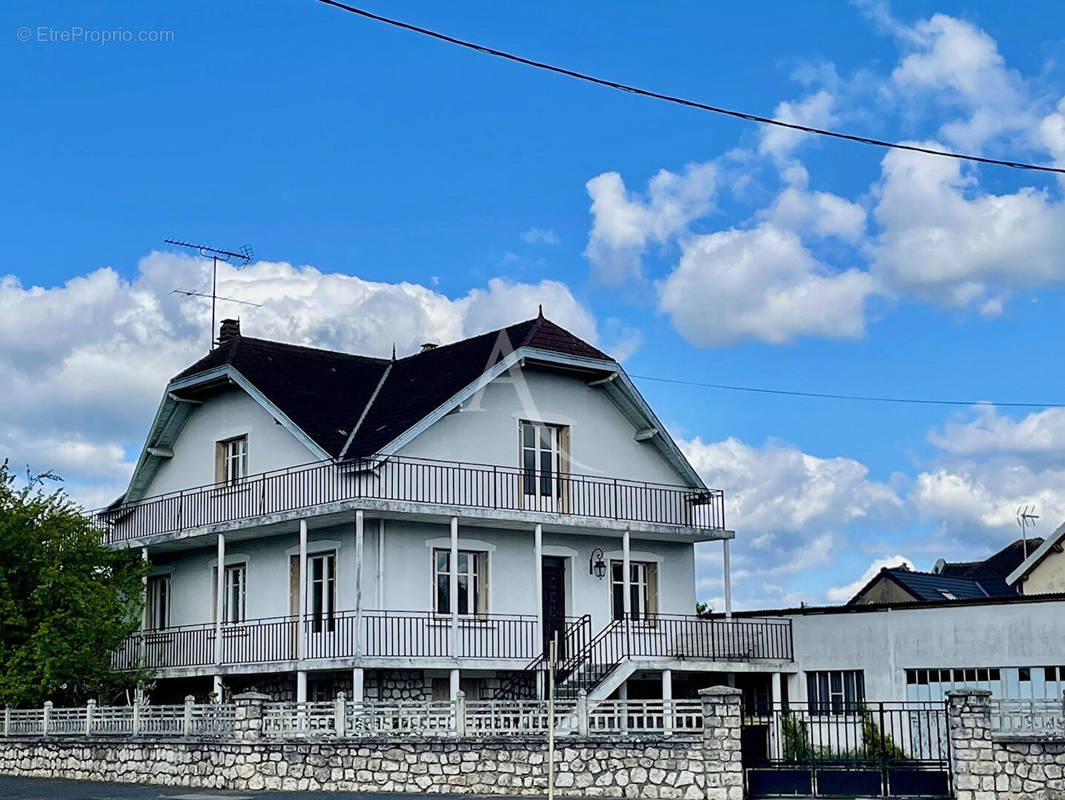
(413, 480)
(873, 749)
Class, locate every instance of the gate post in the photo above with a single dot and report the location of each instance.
(969, 735)
(722, 758)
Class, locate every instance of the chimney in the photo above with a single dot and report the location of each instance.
(228, 331)
(427, 346)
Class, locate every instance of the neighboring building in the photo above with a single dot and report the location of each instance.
(968, 580)
(1043, 571)
(918, 651)
(406, 528)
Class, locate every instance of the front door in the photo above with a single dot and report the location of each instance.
(553, 570)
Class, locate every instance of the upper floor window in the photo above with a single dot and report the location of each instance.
(231, 460)
(158, 601)
(542, 454)
(472, 580)
(236, 586)
(835, 691)
(643, 588)
(322, 591)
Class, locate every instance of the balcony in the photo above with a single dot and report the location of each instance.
(403, 483)
(382, 635)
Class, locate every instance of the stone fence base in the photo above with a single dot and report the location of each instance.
(702, 767)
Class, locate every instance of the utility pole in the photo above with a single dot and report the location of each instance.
(240, 258)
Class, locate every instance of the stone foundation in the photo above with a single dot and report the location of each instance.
(702, 767)
(988, 766)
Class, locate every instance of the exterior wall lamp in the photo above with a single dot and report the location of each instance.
(596, 565)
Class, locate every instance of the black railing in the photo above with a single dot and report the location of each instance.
(674, 636)
(386, 634)
(878, 749)
(418, 481)
(576, 635)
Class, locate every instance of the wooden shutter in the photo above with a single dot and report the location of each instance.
(220, 462)
(293, 585)
(652, 588)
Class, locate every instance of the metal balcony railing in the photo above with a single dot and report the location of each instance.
(381, 634)
(413, 480)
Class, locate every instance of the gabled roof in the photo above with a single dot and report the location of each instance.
(991, 573)
(925, 586)
(345, 406)
(1053, 543)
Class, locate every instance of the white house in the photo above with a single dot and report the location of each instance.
(406, 527)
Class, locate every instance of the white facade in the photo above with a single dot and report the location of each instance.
(268, 563)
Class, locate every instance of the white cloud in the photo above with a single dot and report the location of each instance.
(841, 594)
(1040, 432)
(815, 111)
(763, 284)
(84, 364)
(943, 240)
(624, 223)
(819, 213)
(540, 236)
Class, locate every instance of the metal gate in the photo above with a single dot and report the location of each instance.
(846, 750)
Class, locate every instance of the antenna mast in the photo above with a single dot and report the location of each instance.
(1026, 518)
(240, 258)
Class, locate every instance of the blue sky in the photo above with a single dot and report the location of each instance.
(398, 188)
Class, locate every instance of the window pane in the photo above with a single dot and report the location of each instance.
(464, 601)
(442, 557)
(464, 563)
(528, 433)
(442, 592)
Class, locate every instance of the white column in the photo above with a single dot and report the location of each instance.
(359, 525)
(728, 577)
(538, 577)
(667, 700)
(301, 686)
(216, 687)
(301, 624)
(380, 564)
(358, 685)
(454, 676)
(220, 596)
(626, 600)
(144, 590)
(776, 695)
(453, 594)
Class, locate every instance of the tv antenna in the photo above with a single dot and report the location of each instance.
(1026, 518)
(239, 258)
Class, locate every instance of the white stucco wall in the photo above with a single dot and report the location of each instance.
(225, 416)
(1047, 577)
(884, 644)
(407, 584)
(601, 438)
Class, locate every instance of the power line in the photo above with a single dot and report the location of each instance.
(857, 397)
(688, 103)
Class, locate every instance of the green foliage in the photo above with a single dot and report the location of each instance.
(878, 743)
(66, 600)
(703, 609)
(795, 738)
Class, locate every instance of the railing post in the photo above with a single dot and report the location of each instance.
(186, 721)
(7, 721)
(136, 716)
(459, 710)
(46, 718)
(582, 713)
(90, 712)
(340, 714)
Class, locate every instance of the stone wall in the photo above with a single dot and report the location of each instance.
(994, 766)
(701, 767)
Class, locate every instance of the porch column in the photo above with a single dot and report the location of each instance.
(626, 578)
(216, 687)
(538, 577)
(667, 700)
(301, 606)
(144, 591)
(454, 676)
(220, 597)
(359, 634)
(358, 685)
(453, 597)
(301, 686)
(728, 577)
(776, 695)
(380, 564)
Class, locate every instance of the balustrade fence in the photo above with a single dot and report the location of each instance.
(1028, 716)
(419, 481)
(343, 718)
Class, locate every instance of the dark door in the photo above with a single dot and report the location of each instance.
(554, 601)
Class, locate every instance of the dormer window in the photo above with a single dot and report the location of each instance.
(231, 460)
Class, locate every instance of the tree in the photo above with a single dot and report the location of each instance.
(66, 600)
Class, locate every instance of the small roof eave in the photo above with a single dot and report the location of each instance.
(1036, 557)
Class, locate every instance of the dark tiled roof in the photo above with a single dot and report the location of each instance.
(930, 586)
(325, 393)
(992, 571)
